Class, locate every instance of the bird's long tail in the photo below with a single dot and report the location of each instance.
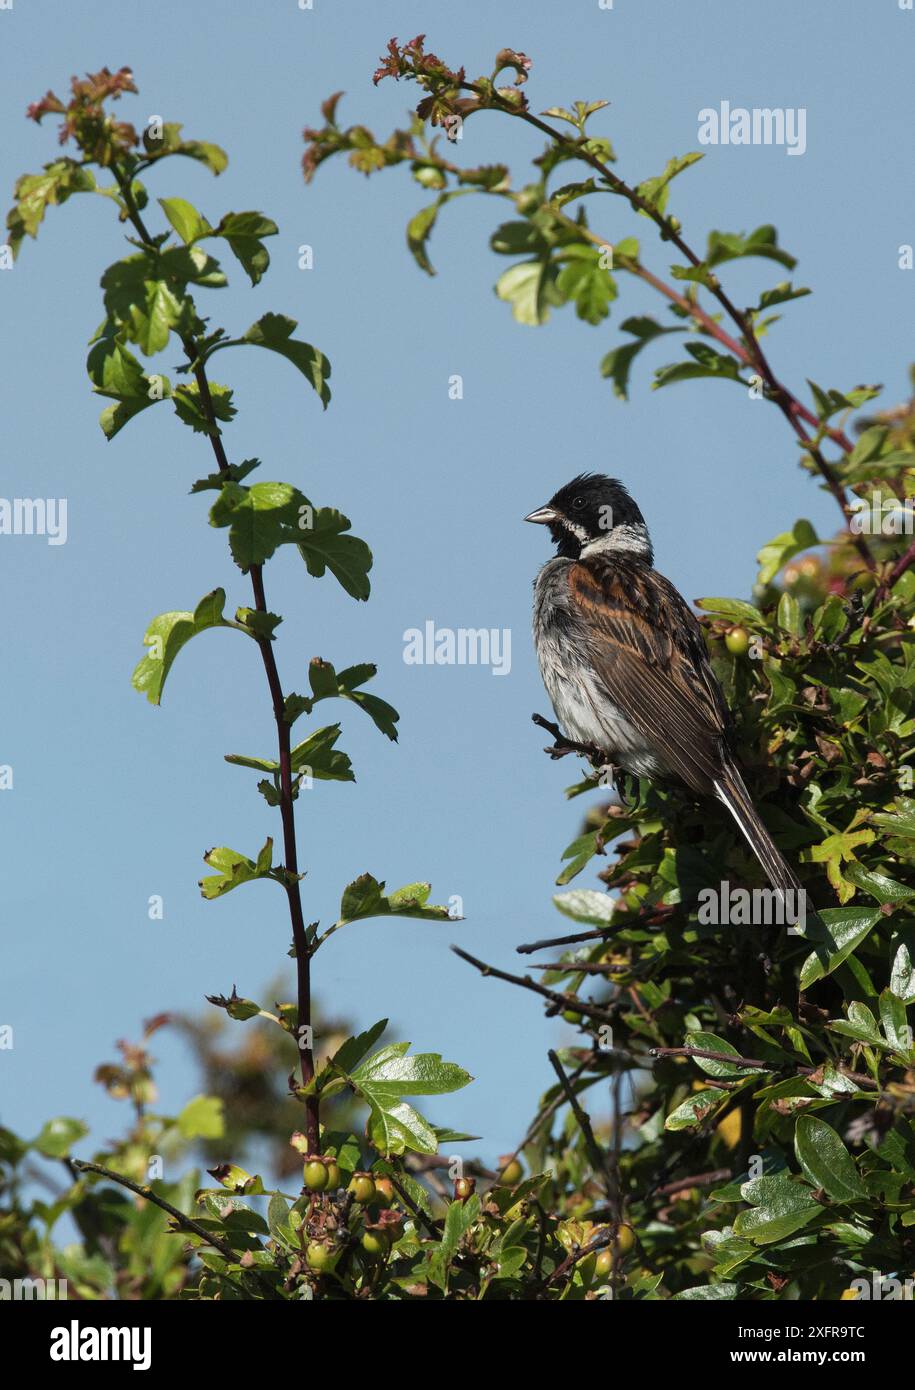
(730, 789)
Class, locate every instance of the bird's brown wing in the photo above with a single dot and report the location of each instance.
(647, 651)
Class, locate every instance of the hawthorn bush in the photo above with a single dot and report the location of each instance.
(765, 1146)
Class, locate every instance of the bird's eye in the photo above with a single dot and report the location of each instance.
(578, 503)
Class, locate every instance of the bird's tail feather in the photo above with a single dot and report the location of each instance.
(730, 789)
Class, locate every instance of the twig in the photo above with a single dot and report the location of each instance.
(287, 810)
(562, 1001)
(563, 745)
(697, 1180)
(754, 1063)
(598, 1159)
(599, 1242)
(186, 1223)
(530, 946)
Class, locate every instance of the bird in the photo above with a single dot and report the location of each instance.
(625, 663)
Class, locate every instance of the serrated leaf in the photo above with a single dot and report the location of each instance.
(233, 869)
(165, 637)
(365, 897)
(202, 1118)
(382, 1079)
(783, 548)
(317, 757)
(274, 331)
(618, 362)
(324, 546)
(186, 220)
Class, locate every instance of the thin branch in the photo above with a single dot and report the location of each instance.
(562, 1001)
(187, 1223)
(530, 946)
(287, 809)
(753, 1063)
(695, 1180)
(599, 1242)
(598, 1159)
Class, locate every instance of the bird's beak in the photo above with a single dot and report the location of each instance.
(543, 515)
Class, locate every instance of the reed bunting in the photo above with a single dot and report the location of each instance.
(624, 660)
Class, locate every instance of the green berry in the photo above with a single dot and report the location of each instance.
(362, 1187)
(375, 1242)
(314, 1174)
(737, 641)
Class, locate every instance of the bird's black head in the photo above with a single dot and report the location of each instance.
(594, 514)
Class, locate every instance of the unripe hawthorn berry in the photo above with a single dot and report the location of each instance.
(362, 1186)
(376, 1241)
(384, 1192)
(737, 641)
(510, 1170)
(321, 1256)
(314, 1173)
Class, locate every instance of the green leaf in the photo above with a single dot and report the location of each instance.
(781, 294)
(655, 191)
(585, 282)
(323, 546)
(902, 977)
(260, 518)
(710, 1042)
(382, 1079)
(826, 1161)
(167, 634)
(274, 331)
(169, 142)
(202, 1118)
(418, 230)
(36, 192)
(233, 869)
(530, 288)
(845, 929)
(728, 246)
(707, 362)
(365, 897)
(116, 373)
(895, 1025)
(780, 1206)
(618, 362)
(325, 683)
(736, 610)
(830, 402)
(350, 1054)
(186, 220)
(244, 232)
(783, 548)
(317, 757)
(586, 905)
(695, 1109)
(58, 1136)
(190, 410)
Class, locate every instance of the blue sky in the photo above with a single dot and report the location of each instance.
(113, 800)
